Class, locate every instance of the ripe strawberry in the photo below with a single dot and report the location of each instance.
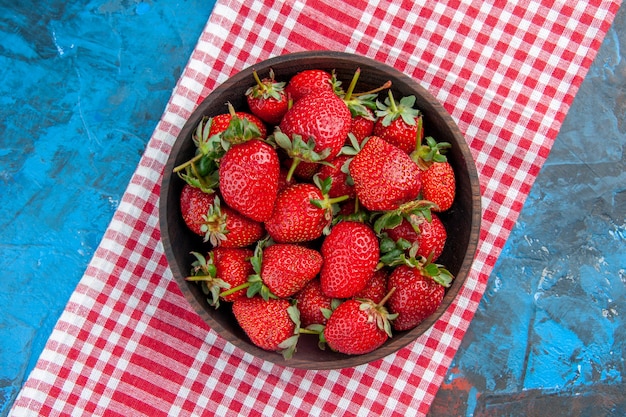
(301, 213)
(201, 170)
(427, 236)
(218, 224)
(350, 253)
(286, 268)
(419, 292)
(223, 268)
(439, 185)
(357, 327)
(248, 177)
(233, 267)
(271, 324)
(362, 126)
(376, 287)
(310, 300)
(194, 205)
(338, 171)
(223, 121)
(267, 99)
(399, 123)
(384, 176)
(309, 81)
(321, 116)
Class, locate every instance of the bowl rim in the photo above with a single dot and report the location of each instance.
(398, 342)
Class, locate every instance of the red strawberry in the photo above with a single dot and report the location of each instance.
(248, 176)
(301, 213)
(267, 99)
(438, 180)
(351, 253)
(218, 224)
(399, 123)
(309, 81)
(201, 170)
(221, 122)
(419, 291)
(428, 236)
(311, 301)
(286, 268)
(358, 327)
(233, 267)
(194, 205)
(338, 171)
(321, 116)
(271, 324)
(362, 127)
(376, 287)
(384, 176)
(439, 185)
(225, 268)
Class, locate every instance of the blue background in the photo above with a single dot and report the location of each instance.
(83, 86)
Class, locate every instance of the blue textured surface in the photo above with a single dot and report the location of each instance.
(83, 88)
(549, 337)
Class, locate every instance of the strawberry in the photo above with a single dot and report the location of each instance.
(248, 177)
(271, 324)
(267, 99)
(322, 117)
(362, 126)
(362, 108)
(218, 224)
(194, 205)
(350, 253)
(301, 213)
(201, 170)
(357, 327)
(279, 270)
(419, 290)
(245, 120)
(376, 287)
(309, 81)
(399, 123)
(338, 172)
(428, 236)
(311, 302)
(223, 268)
(438, 180)
(233, 266)
(439, 185)
(286, 268)
(384, 176)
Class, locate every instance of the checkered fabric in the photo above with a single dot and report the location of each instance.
(129, 344)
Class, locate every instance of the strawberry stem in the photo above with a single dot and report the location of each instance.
(234, 289)
(352, 85)
(258, 80)
(418, 134)
(384, 300)
(307, 331)
(374, 91)
(189, 162)
(292, 168)
(199, 278)
(392, 103)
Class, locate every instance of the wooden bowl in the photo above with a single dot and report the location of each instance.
(462, 220)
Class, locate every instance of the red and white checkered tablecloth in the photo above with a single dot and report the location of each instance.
(129, 344)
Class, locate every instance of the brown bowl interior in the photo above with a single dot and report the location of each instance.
(462, 220)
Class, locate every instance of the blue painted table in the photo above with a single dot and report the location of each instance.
(83, 88)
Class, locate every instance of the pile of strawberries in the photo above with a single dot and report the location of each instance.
(321, 207)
